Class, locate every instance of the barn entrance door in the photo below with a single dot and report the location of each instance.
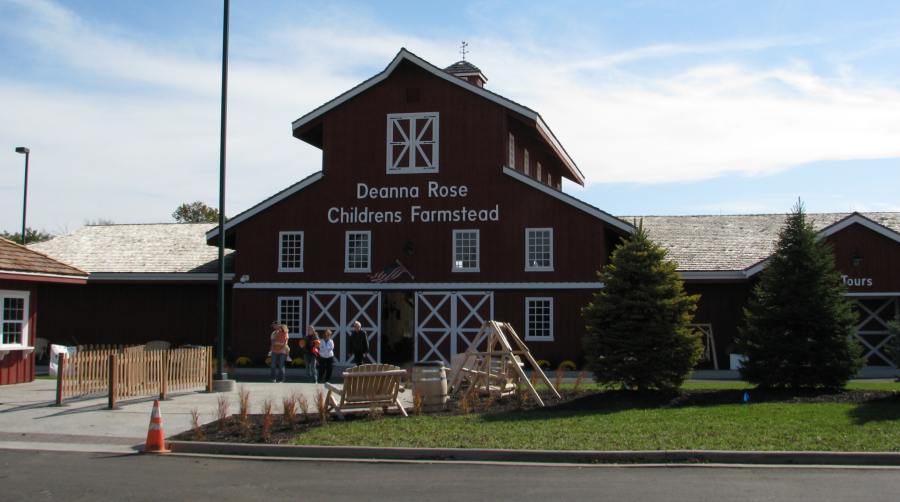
(448, 321)
(337, 310)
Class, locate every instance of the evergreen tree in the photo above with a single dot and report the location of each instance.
(638, 331)
(799, 325)
(31, 236)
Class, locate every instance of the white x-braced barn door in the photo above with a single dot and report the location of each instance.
(448, 321)
(872, 329)
(337, 310)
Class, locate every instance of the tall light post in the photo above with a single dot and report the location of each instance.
(27, 152)
(221, 382)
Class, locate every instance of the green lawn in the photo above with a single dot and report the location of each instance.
(870, 426)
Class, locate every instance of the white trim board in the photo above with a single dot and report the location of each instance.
(43, 274)
(421, 286)
(271, 201)
(405, 55)
(154, 276)
(568, 199)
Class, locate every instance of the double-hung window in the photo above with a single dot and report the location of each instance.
(13, 318)
(290, 313)
(358, 251)
(290, 251)
(539, 319)
(539, 249)
(412, 143)
(465, 251)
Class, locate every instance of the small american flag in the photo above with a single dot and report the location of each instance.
(390, 272)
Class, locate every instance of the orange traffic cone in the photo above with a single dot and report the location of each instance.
(156, 438)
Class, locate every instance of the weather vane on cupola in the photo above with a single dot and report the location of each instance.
(462, 49)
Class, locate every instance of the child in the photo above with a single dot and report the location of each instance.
(326, 357)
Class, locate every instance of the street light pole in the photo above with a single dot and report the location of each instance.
(27, 152)
(222, 383)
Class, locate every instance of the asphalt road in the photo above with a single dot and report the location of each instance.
(35, 476)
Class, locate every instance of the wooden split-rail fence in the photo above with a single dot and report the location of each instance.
(133, 371)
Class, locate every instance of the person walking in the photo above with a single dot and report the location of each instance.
(310, 346)
(359, 343)
(326, 357)
(278, 351)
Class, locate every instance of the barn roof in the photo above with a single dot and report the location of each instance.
(157, 248)
(543, 130)
(740, 242)
(18, 259)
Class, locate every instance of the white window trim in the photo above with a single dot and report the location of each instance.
(291, 334)
(528, 337)
(435, 159)
(512, 151)
(281, 250)
(347, 268)
(477, 267)
(526, 161)
(26, 315)
(528, 266)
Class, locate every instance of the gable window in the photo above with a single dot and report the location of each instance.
(539, 319)
(465, 251)
(512, 151)
(526, 163)
(290, 313)
(358, 251)
(13, 318)
(290, 251)
(539, 249)
(412, 143)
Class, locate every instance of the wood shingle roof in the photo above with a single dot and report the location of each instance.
(16, 258)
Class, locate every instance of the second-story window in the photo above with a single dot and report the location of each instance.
(538, 172)
(358, 251)
(539, 249)
(290, 251)
(527, 163)
(412, 143)
(512, 151)
(465, 251)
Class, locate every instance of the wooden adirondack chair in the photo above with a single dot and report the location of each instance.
(366, 386)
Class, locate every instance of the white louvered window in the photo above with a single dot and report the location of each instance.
(358, 251)
(290, 251)
(412, 143)
(539, 319)
(465, 251)
(13, 318)
(290, 313)
(539, 249)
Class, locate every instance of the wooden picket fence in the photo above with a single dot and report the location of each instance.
(129, 372)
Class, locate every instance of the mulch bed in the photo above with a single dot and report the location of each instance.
(250, 430)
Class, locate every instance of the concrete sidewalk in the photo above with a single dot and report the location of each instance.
(29, 419)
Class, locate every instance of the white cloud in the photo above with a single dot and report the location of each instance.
(133, 154)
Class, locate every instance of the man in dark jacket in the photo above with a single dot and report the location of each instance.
(359, 343)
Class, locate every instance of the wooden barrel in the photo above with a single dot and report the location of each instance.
(430, 381)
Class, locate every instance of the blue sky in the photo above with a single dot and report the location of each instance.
(669, 107)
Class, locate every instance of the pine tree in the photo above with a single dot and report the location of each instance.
(799, 325)
(638, 331)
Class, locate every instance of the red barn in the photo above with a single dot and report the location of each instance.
(23, 275)
(425, 174)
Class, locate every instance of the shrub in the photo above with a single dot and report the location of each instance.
(567, 365)
(893, 346)
(543, 364)
(799, 325)
(243, 361)
(638, 333)
(222, 411)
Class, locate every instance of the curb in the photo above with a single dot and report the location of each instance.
(541, 456)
